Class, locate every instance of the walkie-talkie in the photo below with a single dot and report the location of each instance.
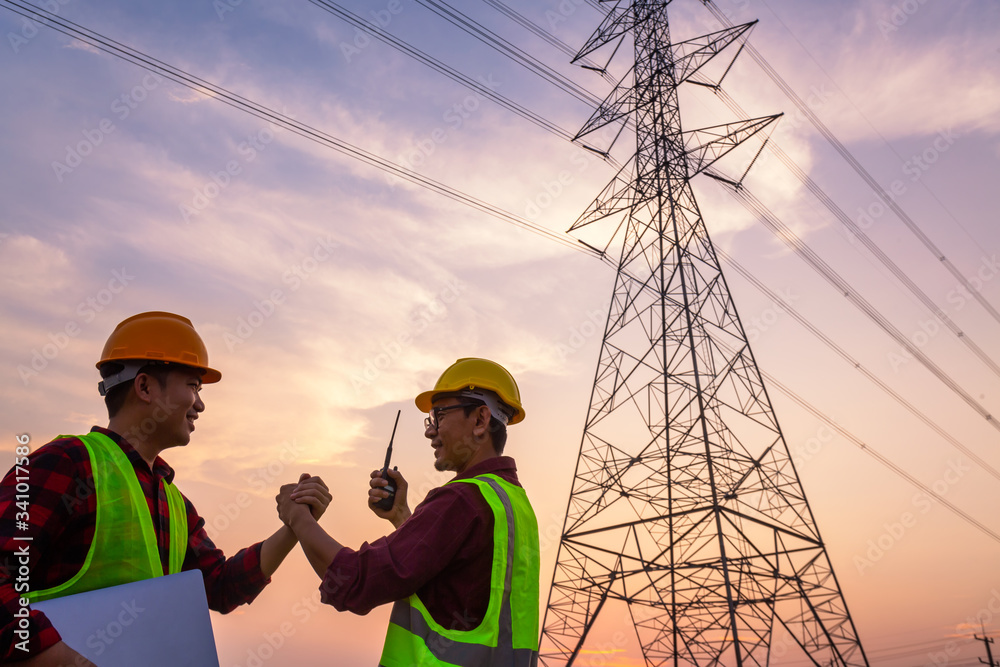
(386, 503)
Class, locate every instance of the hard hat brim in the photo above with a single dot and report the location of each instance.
(425, 401)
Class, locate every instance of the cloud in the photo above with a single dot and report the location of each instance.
(913, 78)
(33, 269)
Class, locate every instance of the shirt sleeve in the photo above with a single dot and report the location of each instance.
(397, 566)
(53, 477)
(229, 582)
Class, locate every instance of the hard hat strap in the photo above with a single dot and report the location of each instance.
(130, 369)
(497, 408)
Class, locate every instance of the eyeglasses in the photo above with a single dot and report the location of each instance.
(435, 413)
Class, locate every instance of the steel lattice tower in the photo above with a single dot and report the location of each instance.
(685, 503)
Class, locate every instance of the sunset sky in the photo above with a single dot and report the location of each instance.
(330, 294)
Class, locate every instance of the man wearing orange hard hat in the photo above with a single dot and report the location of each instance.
(462, 567)
(104, 509)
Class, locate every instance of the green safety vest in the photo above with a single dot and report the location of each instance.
(124, 546)
(508, 634)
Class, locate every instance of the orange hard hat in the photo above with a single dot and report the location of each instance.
(156, 337)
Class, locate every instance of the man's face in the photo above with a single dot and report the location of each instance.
(176, 406)
(453, 438)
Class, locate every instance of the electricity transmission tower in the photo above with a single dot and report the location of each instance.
(685, 503)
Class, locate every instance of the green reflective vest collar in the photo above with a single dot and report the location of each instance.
(124, 546)
(508, 634)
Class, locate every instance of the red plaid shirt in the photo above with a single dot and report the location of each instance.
(62, 513)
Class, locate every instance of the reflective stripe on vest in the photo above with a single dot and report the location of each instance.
(124, 548)
(508, 633)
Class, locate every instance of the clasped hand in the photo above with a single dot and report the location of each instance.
(310, 494)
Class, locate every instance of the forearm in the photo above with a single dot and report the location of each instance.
(319, 548)
(275, 548)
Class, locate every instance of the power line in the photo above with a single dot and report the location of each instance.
(234, 100)
(882, 459)
(848, 157)
(504, 47)
(780, 230)
(832, 423)
(856, 233)
(545, 35)
(923, 182)
(438, 66)
(761, 287)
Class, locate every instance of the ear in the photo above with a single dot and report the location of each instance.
(482, 425)
(143, 385)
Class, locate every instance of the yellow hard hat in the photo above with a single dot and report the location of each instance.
(155, 337)
(470, 378)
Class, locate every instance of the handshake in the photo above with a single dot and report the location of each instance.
(310, 497)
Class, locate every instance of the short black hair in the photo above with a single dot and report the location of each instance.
(115, 398)
(498, 430)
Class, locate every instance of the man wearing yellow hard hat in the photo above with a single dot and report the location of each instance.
(462, 568)
(101, 509)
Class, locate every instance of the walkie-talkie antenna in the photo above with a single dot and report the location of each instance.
(387, 502)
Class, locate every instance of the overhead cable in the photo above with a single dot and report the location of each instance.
(848, 157)
(833, 424)
(766, 216)
(856, 233)
(504, 47)
(221, 94)
(216, 92)
(915, 411)
(438, 66)
(545, 35)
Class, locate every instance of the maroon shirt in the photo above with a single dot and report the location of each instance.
(443, 553)
(62, 514)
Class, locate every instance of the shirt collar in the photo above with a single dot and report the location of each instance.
(495, 464)
(160, 467)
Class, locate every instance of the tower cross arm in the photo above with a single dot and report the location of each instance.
(616, 24)
(713, 143)
(693, 54)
